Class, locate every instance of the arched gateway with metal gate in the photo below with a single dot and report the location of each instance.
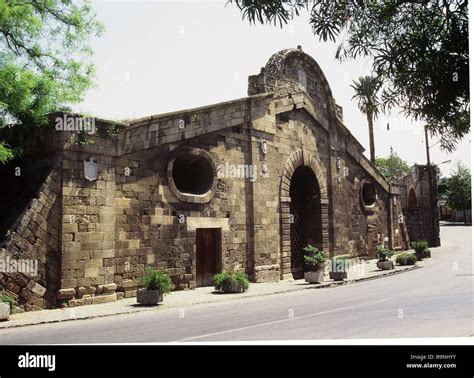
(304, 212)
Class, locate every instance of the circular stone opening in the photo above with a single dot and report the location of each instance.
(192, 174)
(369, 195)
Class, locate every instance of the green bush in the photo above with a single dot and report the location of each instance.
(427, 253)
(406, 259)
(230, 282)
(383, 253)
(419, 246)
(8, 299)
(314, 256)
(156, 280)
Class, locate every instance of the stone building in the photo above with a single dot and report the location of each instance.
(240, 185)
(419, 204)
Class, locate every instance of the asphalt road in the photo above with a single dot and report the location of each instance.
(434, 301)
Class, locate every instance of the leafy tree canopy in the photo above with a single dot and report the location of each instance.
(392, 167)
(458, 188)
(418, 49)
(44, 55)
(366, 93)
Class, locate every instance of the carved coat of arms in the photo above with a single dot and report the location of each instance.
(91, 169)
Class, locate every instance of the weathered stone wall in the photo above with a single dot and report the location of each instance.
(30, 250)
(293, 135)
(129, 218)
(134, 215)
(419, 207)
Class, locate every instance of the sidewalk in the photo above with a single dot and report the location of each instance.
(364, 271)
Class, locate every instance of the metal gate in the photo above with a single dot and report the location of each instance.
(297, 238)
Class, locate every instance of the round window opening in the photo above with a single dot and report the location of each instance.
(192, 174)
(369, 196)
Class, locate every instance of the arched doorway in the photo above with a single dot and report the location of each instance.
(412, 200)
(305, 209)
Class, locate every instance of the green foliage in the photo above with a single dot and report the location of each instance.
(156, 280)
(366, 93)
(458, 188)
(420, 246)
(219, 278)
(113, 132)
(44, 60)
(268, 10)
(427, 253)
(392, 167)
(418, 49)
(8, 299)
(313, 256)
(82, 139)
(227, 282)
(406, 259)
(383, 254)
(6, 153)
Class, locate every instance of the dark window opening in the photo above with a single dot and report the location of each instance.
(192, 174)
(369, 195)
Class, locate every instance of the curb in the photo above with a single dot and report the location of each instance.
(143, 309)
(356, 280)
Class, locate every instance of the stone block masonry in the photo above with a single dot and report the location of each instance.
(294, 175)
(420, 207)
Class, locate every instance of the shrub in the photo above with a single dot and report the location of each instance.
(406, 259)
(8, 299)
(419, 246)
(383, 253)
(427, 253)
(156, 280)
(314, 256)
(231, 282)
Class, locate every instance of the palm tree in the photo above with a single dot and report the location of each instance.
(366, 89)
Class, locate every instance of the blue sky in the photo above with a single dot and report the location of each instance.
(160, 56)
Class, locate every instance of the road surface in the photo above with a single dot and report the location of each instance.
(433, 301)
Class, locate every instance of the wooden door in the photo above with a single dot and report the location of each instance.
(207, 242)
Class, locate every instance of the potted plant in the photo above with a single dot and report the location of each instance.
(384, 261)
(338, 270)
(315, 262)
(156, 284)
(225, 282)
(420, 247)
(7, 305)
(406, 259)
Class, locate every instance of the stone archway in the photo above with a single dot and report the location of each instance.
(303, 211)
(412, 199)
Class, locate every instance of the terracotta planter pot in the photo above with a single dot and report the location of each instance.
(149, 297)
(385, 265)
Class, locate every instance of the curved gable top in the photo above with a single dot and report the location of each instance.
(292, 70)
